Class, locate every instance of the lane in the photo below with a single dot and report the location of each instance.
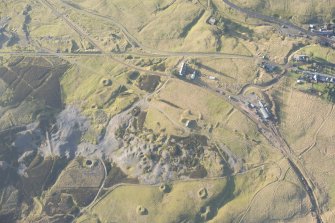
(269, 131)
(131, 39)
(70, 23)
(134, 41)
(272, 130)
(140, 54)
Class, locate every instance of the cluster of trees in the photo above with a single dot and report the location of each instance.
(331, 94)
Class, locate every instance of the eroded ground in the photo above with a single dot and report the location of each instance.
(99, 123)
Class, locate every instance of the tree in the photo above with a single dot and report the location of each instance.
(311, 54)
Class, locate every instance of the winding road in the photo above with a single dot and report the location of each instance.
(274, 20)
(269, 130)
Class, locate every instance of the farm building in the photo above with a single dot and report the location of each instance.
(182, 70)
(265, 114)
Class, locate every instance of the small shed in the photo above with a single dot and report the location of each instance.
(300, 81)
(212, 21)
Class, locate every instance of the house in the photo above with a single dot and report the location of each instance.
(269, 68)
(318, 77)
(301, 58)
(212, 21)
(312, 26)
(323, 79)
(324, 32)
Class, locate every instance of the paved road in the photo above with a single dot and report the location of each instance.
(269, 131)
(131, 39)
(274, 20)
(269, 19)
(71, 24)
(135, 42)
(141, 54)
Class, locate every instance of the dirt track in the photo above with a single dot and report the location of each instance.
(269, 131)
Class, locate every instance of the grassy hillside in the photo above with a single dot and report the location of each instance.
(299, 11)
